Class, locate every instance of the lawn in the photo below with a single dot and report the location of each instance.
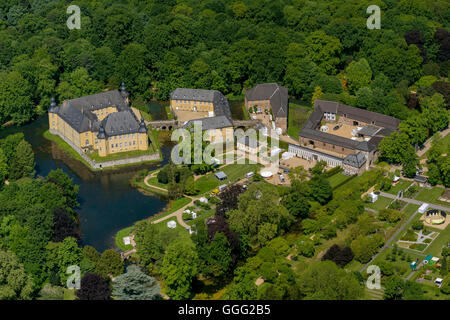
(337, 179)
(430, 195)
(119, 239)
(173, 206)
(233, 171)
(298, 114)
(381, 203)
(401, 266)
(435, 247)
(64, 146)
(169, 113)
(401, 185)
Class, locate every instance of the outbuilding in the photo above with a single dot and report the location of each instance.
(423, 207)
(221, 175)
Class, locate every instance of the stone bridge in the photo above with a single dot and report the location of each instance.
(164, 124)
(245, 123)
(173, 124)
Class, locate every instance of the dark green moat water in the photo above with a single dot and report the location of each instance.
(108, 203)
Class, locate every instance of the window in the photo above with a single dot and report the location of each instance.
(134, 142)
(112, 146)
(117, 145)
(121, 144)
(86, 134)
(87, 141)
(126, 144)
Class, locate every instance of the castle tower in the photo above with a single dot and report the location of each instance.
(53, 116)
(143, 136)
(101, 141)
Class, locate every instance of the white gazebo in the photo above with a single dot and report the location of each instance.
(423, 207)
(171, 224)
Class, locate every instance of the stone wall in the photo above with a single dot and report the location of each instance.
(107, 164)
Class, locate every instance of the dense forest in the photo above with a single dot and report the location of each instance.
(155, 46)
(317, 49)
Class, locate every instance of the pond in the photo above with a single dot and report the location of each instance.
(108, 202)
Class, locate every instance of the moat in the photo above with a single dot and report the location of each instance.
(108, 202)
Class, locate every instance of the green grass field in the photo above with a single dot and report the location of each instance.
(173, 206)
(381, 203)
(435, 248)
(337, 179)
(298, 114)
(401, 185)
(430, 195)
(233, 171)
(119, 239)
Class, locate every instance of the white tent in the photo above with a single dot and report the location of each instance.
(266, 174)
(194, 215)
(203, 200)
(423, 207)
(172, 224)
(396, 178)
(373, 197)
(126, 240)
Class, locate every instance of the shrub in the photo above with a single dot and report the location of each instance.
(417, 225)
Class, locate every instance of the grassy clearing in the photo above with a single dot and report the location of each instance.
(337, 179)
(169, 113)
(435, 247)
(401, 185)
(298, 114)
(381, 203)
(64, 146)
(401, 266)
(173, 206)
(119, 239)
(233, 171)
(430, 195)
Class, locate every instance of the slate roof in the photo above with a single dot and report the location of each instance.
(248, 141)
(210, 123)
(388, 125)
(78, 114)
(277, 95)
(220, 102)
(355, 160)
(369, 130)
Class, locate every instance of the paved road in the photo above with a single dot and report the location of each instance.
(387, 244)
(435, 206)
(427, 144)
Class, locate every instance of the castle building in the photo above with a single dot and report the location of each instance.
(102, 123)
(268, 102)
(189, 104)
(343, 136)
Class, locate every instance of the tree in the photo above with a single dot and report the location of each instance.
(110, 264)
(324, 280)
(69, 189)
(364, 247)
(135, 285)
(358, 74)
(64, 226)
(296, 204)
(93, 287)
(324, 50)
(14, 282)
(178, 269)
(69, 254)
(317, 94)
(321, 189)
(394, 288)
(23, 162)
(339, 256)
(3, 168)
(261, 220)
(243, 286)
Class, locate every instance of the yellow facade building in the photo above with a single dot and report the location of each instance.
(102, 123)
